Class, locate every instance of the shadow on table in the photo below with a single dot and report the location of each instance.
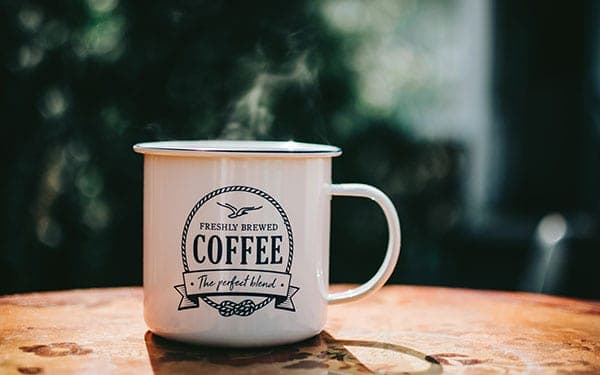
(320, 354)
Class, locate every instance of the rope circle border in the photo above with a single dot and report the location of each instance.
(228, 189)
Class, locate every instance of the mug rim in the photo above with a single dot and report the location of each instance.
(245, 148)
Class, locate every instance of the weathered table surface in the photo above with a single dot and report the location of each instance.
(400, 329)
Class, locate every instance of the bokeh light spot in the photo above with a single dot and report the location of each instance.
(30, 18)
(29, 56)
(552, 229)
(96, 215)
(102, 6)
(48, 231)
(89, 182)
(53, 103)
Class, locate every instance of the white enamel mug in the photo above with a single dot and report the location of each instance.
(236, 240)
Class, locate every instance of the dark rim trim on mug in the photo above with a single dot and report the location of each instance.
(247, 148)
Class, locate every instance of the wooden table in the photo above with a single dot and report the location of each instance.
(400, 329)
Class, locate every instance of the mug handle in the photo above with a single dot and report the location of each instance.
(393, 248)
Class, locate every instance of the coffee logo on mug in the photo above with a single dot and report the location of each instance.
(237, 250)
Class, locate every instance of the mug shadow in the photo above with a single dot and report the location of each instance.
(321, 354)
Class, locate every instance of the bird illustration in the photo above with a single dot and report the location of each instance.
(235, 212)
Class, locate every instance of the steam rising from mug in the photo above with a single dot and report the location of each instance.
(252, 115)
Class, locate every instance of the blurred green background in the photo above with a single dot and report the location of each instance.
(478, 118)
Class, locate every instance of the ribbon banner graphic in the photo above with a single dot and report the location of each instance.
(260, 283)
